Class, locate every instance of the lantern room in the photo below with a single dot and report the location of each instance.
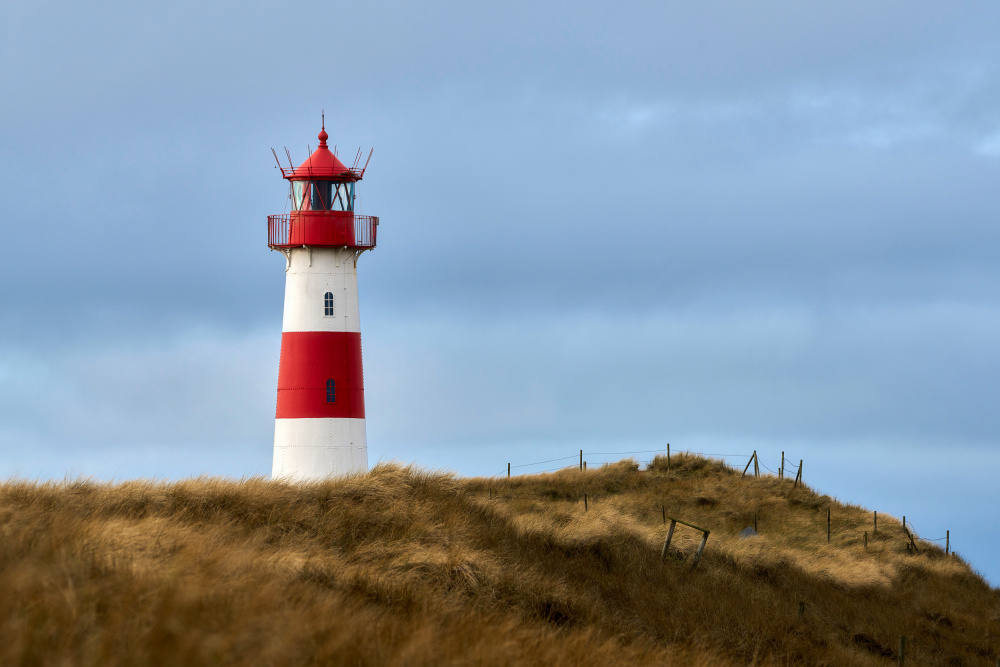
(322, 193)
(321, 196)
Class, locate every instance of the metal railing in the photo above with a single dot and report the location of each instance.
(281, 234)
(365, 231)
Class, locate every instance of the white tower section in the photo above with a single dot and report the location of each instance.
(321, 302)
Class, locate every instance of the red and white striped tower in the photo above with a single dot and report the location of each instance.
(319, 427)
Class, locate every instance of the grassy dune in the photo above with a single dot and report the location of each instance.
(404, 567)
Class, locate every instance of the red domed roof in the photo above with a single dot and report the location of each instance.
(323, 165)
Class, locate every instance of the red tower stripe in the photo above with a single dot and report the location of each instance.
(308, 360)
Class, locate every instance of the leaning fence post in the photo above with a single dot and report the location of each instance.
(701, 547)
(912, 542)
(670, 534)
(749, 462)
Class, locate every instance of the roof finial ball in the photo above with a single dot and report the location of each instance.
(323, 136)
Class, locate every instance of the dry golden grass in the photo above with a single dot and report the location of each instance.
(404, 567)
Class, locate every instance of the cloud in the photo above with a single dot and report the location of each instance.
(90, 407)
(990, 145)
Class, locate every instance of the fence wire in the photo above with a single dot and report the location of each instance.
(646, 462)
(538, 463)
(788, 466)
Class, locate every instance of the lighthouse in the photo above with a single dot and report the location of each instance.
(319, 427)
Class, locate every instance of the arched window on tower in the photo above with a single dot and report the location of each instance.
(328, 304)
(331, 392)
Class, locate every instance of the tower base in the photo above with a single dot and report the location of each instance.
(305, 449)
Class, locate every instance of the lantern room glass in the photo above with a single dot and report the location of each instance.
(322, 196)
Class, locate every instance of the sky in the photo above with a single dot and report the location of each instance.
(731, 227)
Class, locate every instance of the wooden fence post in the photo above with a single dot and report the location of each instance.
(670, 534)
(748, 463)
(876, 523)
(585, 502)
(581, 459)
(701, 547)
(902, 649)
(827, 525)
(781, 470)
(866, 540)
(668, 458)
(798, 476)
(508, 469)
(947, 542)
(756, 464)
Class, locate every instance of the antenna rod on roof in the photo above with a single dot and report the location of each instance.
(367, 161)
(322, 114)
(289, 156)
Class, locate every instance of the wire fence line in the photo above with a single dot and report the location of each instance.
(840, 524)
(536, 463)
(916, 534)
(585, 454)
(783, 470)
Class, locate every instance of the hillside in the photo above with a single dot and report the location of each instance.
(404, 567)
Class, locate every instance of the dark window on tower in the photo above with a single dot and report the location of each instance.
(321, 191)
(328, 304)
(331, 392)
